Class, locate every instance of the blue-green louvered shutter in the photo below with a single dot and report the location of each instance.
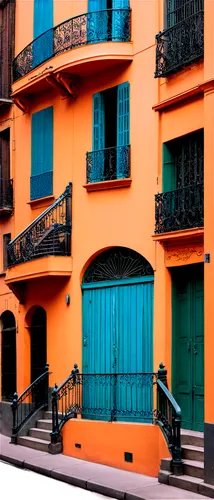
(43, 22)
(42, 154)
(97, 21)
(121, 30)
(97, 169)
(123, 136)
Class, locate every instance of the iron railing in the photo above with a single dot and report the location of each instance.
(180, 45)
(108, 164)
(112, 397)
(33, 399)
(6, 193)
(179, 209)
(168, 417)
(92, 27)
(48, 234)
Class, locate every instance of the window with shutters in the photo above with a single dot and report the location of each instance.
(41, 182)
(110, 158)
(6, 241)
(181, 205)
(43, 22)
(182, 41)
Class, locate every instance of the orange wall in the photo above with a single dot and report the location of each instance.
(106, 442)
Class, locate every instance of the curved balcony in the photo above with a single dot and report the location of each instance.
(85, 30)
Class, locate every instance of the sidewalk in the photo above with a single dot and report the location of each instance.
(102, 479)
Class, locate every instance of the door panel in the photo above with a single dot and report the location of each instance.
(117, 338)
(188, 326)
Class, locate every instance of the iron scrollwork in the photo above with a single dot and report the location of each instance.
(108, 164)
(92, 27)
(117, 263)
(182, 43)
(49, 234)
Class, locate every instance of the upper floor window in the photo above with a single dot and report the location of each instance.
(42, 23)
(41, 182)
(108, 20)
(110, 158)
(182, 41)
(7, 36)
(6, 241)
(6, 185)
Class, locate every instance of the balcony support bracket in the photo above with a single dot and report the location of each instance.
(21, 103)
(18, 288)
(51, 79)
(70, 83)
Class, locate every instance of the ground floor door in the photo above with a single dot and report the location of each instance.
(188, 344)
(8, 356)
(118, 347)
(38, 343)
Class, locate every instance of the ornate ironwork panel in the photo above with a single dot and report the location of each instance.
(6, 193)
(31, 400)
(92, 27)
(179, 209)
(188, 153)
(180, 45)
(49, 234)
(115, 264)
(118, 396)
(108, 164)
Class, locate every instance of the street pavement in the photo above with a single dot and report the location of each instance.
(108, 481)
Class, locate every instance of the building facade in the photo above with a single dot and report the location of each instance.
(106, 245)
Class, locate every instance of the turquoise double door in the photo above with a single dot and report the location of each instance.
(108, 21)
(118, 345)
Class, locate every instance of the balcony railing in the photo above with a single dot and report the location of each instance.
(179, 209)
(108, 164)
(6, 194)
(112, 25)
(180, 45)
(49, 234)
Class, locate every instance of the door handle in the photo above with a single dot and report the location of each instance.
(194, 349)
(188, 346)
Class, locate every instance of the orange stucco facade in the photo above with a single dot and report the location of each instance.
(160, 110)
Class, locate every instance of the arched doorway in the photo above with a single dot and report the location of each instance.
(38, 343)
(8, 355)
(118, 322)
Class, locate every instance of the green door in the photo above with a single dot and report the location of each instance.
(188, 344)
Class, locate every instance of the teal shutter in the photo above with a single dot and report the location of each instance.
(97, 171)
(43, 22)
(123, 135)
(120, 21)
(42, 154)
(169, 170)
(97, 21)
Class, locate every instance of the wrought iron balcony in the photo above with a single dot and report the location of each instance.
(6, 197)
(179, 209)
(180, 45)
(108, 164)
(49, 234)
(112, 25)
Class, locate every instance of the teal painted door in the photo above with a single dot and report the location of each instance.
(97, 26)
(120, 21)
(188, 345)
(117, 338)
(41, 182)
(97, 167)
(123, 138)
(43, 47)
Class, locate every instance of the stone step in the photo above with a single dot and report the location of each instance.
(48, 415)
(192, 438)
(44, 424)
(194, 468)
(191, 452)
(165, 464)
(40, 433)
(32, 442)
(193, 484)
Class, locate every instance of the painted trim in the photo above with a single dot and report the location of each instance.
(130, 281)
(101, 186)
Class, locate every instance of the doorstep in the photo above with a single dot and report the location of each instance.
(103, 479)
